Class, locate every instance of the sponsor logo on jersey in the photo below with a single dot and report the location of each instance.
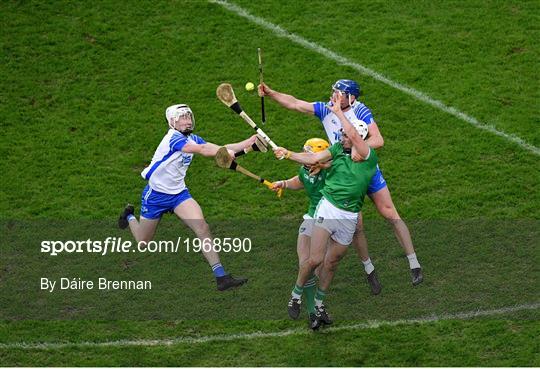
(187, 158)
(311, 179)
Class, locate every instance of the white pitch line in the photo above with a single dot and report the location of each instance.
(279, 31)
(254, 335)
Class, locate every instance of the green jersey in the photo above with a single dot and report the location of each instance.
(347, 181)
(313, 186)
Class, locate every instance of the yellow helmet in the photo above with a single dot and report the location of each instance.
(316, 145)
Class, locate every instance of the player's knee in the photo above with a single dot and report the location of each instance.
(394, 222)
(331, 263)
(315, 261)
(201, 229)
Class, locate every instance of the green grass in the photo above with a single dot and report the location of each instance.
(471, 343)
(82, 99)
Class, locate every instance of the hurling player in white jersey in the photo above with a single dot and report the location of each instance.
(348, 92)
(166, 190)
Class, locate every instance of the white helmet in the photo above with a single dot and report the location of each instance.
(174, 112)
(360, 126)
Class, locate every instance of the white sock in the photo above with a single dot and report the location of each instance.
(318, 303)
(131, 217)
(368, 266)
(413, 261)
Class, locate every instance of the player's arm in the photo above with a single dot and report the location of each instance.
(205, 149)
(287, 101)
(293, 183)
(307, 158)
(358, 143)
(239, 146)
(374, 137)
(210, 149)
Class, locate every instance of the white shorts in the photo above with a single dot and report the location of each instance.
(341, 224)
(307, 226)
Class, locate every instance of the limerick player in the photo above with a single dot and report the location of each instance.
(311, 178)
(337, 212)
(166, 190)
(348, 92)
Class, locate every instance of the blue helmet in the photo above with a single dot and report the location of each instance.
(348, 86)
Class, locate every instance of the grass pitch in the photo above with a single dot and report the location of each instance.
(83, 94)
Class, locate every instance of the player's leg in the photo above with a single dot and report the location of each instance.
(144, 229)
(310, 287)
(343, 229)
(191, 214)
(360, 241)
(385, 206)
(360, 245)
(151, 211)
(302, 248)
(317, 249)
(336, 251)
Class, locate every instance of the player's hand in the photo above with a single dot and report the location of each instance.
(250, 141)
(263, 90)
(280, 153)
(276, 186)
(325, 165)
(355, 156)
(314, 169)
(231, 153)
(335, 105)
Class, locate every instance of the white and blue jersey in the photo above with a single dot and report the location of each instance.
(332, 126)
(166, 188)
(169, 164)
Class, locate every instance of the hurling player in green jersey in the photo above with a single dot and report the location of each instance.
(378, 191)
(311, 179)
(338, 211)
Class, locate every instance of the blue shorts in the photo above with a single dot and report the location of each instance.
(377, 182)
(154, 203)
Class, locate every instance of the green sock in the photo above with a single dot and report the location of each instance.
(297, 291)
(319, 297)
(309, 289)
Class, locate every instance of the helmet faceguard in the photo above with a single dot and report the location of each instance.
(174, 113)
(348, 87)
